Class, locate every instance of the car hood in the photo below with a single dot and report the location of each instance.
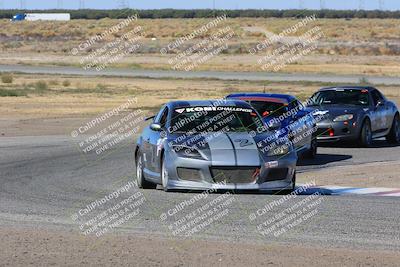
(332, 111)
(223, 149)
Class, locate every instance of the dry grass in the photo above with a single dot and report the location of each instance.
(357, 46)
(88, 96)
(335, 29)
(356, 36)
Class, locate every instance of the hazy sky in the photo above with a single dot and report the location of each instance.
(183, 4)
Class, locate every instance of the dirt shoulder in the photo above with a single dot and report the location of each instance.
(21, 247)
(374, 174)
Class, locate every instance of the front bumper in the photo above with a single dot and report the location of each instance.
(276, 174)
(330, 131)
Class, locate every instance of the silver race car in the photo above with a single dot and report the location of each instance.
(221, 144)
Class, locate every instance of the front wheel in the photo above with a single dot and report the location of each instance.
(164, 175)
(141, 181)
(366, 134)
(292, 188)
(394, 135)
(312, 152)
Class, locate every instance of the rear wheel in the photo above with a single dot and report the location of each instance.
(394, 134)
(141, 181)
(366, 134)
(292, 188)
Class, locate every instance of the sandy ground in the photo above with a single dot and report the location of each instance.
(374, 174)
(335, 64)
(22, 247)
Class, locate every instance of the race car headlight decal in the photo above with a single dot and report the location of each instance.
(280, 150)
(187, 152)
(345, 117)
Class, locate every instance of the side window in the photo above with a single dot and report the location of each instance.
(376, 97)
(157, 119)
(298, 105)
(164, 116)
(381, 97)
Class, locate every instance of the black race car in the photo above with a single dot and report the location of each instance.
(355, 113)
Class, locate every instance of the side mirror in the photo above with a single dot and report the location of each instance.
(149, 118)
(155, 127)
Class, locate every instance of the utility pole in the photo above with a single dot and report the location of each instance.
(301, 4)
(214, 8)
(22, 4)
(1, 4)
(322, 4)
(81, 4)
(381, 4)
(122, 4)
(59, 4)
(361, 5)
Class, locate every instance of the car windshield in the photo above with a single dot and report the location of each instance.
(215, 119)
(267, 108)
(341, 97)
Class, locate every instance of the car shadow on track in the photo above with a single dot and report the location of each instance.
(379, 143)
(323, 159)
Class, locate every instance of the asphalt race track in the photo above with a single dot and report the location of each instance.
(45, 179)
(250, 76)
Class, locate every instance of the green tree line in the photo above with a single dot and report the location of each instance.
(206, 13)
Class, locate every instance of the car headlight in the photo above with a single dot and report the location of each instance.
(280, 150)
(345, 117)
(187, 152)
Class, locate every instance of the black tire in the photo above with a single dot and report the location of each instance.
(164, 175)
(288, 191)
(366, 134)
(312, 152)
(394, 135)
(141, 181)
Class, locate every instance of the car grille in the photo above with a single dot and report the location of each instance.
(189, 174)
(277, 174)
(322, 132)
(234, 175)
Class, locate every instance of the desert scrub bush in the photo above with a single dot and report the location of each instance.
(66, 83)
(6, 78)
(101, 88)
(363, 81)
(12, 92)
(53, 82)
(41, 86)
